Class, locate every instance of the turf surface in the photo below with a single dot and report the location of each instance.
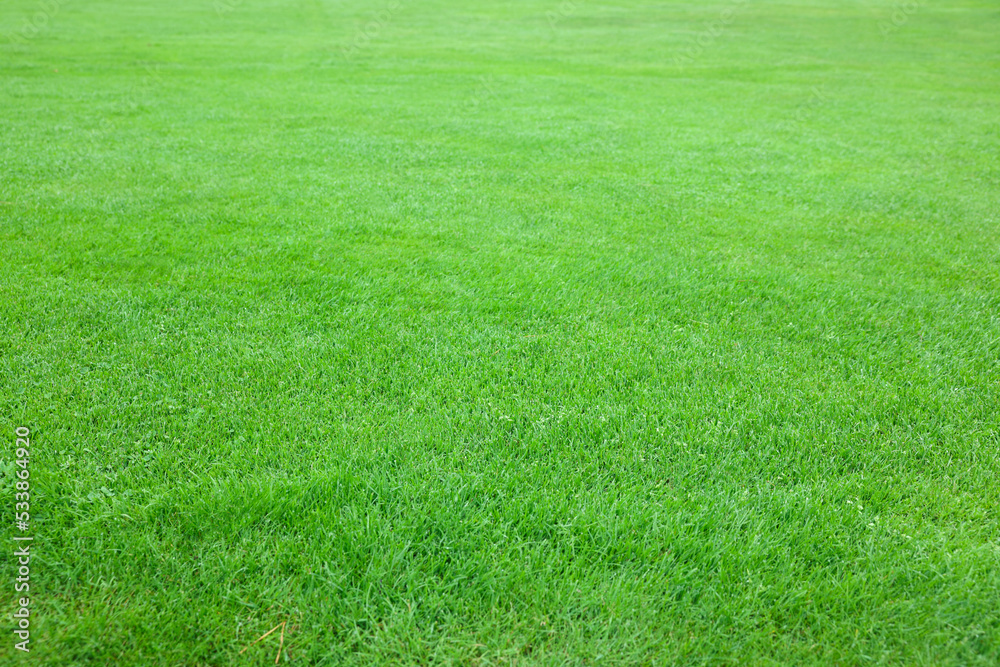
(537, 332)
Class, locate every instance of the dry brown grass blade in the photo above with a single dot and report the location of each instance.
(281, 643)
(280, 625)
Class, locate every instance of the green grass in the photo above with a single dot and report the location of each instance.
(537, 333)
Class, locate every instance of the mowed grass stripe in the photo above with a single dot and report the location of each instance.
(539, 333)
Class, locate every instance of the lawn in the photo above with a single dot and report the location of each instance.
(543, 332)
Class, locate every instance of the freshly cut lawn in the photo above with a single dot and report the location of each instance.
(543, 332)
